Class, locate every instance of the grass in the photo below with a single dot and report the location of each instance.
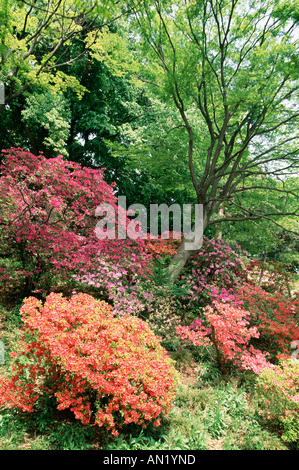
(209, 413)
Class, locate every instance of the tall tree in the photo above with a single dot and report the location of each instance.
(233, 64)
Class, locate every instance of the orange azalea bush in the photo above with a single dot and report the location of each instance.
(108, 371)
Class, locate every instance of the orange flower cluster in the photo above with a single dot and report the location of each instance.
(160, 247)
(108, 371)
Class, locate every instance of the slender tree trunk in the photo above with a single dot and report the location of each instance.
(183, 254)
(262, 270)
(218, 234)
(220, 361)
(177, 263)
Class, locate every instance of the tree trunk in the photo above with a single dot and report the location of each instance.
(218, 234)
(177, 263)
(262, 270)
(184, 252)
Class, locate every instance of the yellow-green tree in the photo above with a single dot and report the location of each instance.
(36, 38)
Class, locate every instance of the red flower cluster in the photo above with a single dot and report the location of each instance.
(160, 247)
(106, 370)
(275, 316)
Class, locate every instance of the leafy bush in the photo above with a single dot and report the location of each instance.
(278, 397)
(275, 316)
(163, 318)
(106, 370)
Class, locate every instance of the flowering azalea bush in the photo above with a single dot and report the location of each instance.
(212, 273)
(278, 397)
(275, 316)
(164, 247)
(47, 215)
(48, 226)
(227, 329)
(108, 371)
(118, 265)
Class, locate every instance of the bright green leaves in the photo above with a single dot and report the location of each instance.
(48, 112)
(37, 42)
(113, 49)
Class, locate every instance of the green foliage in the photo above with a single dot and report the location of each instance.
(230, 72)
(278, 391)
(47, 114)
(229, 405)
(71, 436)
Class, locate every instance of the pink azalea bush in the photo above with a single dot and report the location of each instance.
(227, 330)
(213, 273)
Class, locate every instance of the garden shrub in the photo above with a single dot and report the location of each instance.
(49, 230)
(108, 371)
(117, 266)
(164, 318)
(212, 273)
(272, 276)
(278, 397)
(227, 328)
(47, 217)
(275, 316)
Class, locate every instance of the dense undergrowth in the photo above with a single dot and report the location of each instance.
(100, 352)
(209, 412)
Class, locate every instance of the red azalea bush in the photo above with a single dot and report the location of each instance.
(106, 370)
(275, 316)
(48, 225)
(227, 329)
(163, 247)
(278, 397)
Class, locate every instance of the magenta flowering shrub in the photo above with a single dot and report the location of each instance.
(47, 225)
(213, 273)
(47, 210)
